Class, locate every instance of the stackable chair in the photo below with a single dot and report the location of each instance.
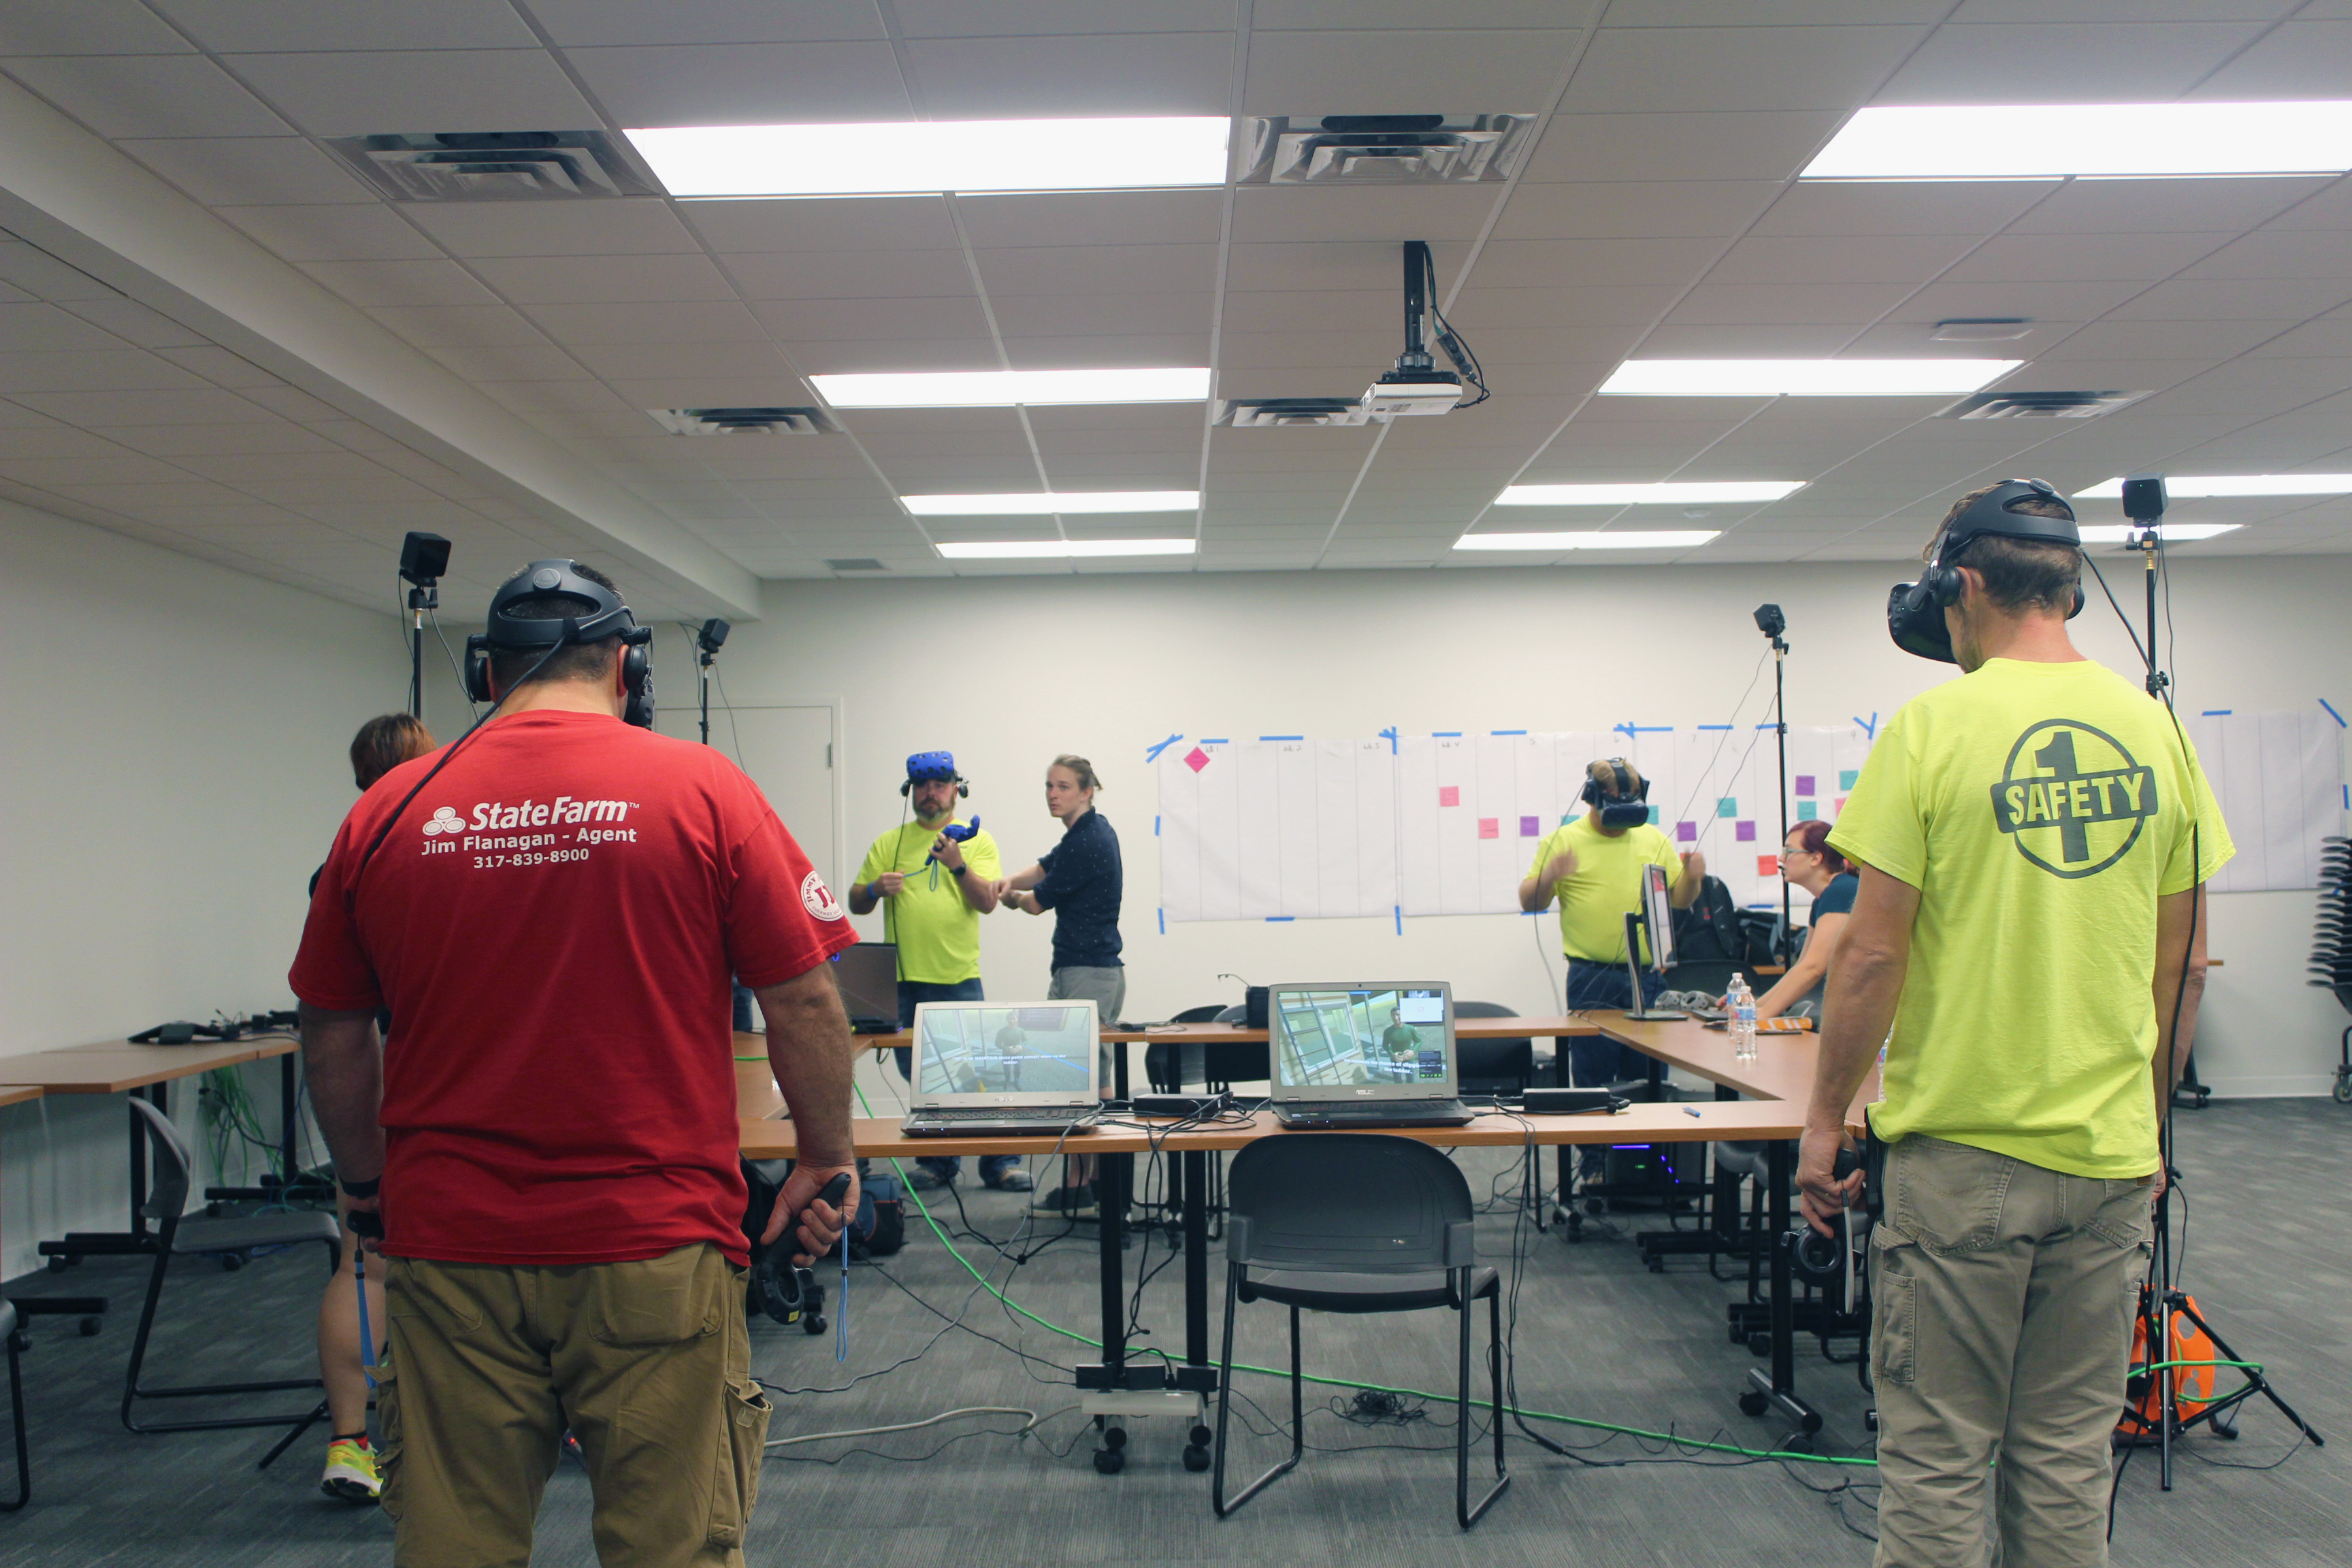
(1356, 1222)
(9, 1335)
(229, 1238)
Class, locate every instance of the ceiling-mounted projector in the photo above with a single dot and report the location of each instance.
(1400, 392)
(1416, 385)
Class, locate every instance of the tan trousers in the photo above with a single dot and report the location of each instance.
(2001, 1298)
(647, 1364)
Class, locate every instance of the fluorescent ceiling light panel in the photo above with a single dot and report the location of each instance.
(918, 157)
(1653, 539)
(1671, 493)
(2201, 487)
(2092, 141)
(1043, 549)
(1803, 377)
(2172, 532)
(1048, 504)
(1005, 388)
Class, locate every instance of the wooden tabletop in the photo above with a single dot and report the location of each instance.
(18, 1093)
(1553, 1027)
(117, 1066)
(1757, 1119)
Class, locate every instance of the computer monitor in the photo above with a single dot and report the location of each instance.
(1392, 1040)
(1033, 1053)
(1657, 914)
(867, 978)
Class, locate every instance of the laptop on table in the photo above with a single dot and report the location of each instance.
(991, 1069)
(867, 978)
(1364, 1055)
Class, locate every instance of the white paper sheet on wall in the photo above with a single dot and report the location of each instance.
(2279, 778)
(1277, 829)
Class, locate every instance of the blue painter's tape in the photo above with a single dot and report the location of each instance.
(1390, 736)
(1282, 737)
(1506, 732)
(1155, 827)
(1400, 918)
(1714, 726)
(1163, 922)
(1445, 735)
(1220, 741)
(1152, 754)
(1869, 725)
(1278, 919)
(2332, 713)
(2215, 713)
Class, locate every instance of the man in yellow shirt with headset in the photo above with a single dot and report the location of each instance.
(2032, 840)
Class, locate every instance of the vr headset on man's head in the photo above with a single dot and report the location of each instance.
(1915, 611)
(1622, 796)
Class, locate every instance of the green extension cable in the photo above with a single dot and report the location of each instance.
(954, 1252)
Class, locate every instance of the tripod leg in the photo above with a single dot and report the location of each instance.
(2261, 1383)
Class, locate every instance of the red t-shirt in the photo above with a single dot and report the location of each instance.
(553, 923)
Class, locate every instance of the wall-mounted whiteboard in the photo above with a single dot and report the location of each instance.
(2279, 778)
(1283, 827)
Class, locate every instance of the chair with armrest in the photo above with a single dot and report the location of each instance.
(1169, 1065)
(1359, 1223)
(11, 1336)
(228, 1238)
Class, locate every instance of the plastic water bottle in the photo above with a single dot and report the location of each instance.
(1742, 1003)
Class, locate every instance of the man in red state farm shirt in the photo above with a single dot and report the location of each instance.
(553, 907)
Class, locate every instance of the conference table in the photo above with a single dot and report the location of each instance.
(1759, 1100)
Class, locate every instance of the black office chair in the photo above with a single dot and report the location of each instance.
(1493, 1066)
(12, 1337)
(229, 1238)
(1163, 1060)
(1356, 1222)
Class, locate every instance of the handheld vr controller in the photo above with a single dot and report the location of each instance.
(961, 832)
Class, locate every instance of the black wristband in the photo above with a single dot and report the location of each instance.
(366, 1189)
(963, 868)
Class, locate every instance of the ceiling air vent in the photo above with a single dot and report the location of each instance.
(1248, 413)
(1385, 149)
(2039, 405)
(857, 564)
(745, 421)
(497, 166)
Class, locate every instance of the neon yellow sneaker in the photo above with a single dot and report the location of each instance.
(350, 1471)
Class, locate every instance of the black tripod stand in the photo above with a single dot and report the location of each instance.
(2143, 503)
(706, 643)
(423, 557)
(1772, 623)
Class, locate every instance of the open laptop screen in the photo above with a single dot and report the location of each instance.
(867, 975)
(974, 1048)
(1394, 1040)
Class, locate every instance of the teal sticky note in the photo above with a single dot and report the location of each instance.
(1846, 777)
(1654, 816)
(1727, 805)
(1805, 809)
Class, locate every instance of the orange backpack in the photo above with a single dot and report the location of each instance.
(2192, 1386)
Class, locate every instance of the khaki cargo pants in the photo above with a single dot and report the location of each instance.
(2001, 1298)
(647, 1364)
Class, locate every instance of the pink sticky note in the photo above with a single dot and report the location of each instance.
(1804, 783)
(1449, 794)
(1685, 832)
(1530, 827)
(1743, 832)
(1196, 759)
(1768, 865)
(1490, 828)
(1838, 805)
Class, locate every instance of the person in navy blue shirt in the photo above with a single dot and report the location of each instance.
(1080, 880)
(1807, 860)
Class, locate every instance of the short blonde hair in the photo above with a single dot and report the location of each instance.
(1084, 768)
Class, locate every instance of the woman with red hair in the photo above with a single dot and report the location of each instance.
(1807, 860)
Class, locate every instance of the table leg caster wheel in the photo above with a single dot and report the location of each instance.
(232, 1261)
(1759, 1343)
(89, 1327)
(59, 1265)
(1752, 1402)
(1200, 1437)
(1109, 1461)
(1115, 1437)
(1196, 1459)
(814, 1323)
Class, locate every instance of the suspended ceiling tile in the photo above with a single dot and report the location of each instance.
(1050, 76)
(589, 23)
(149, 95)
(1091, 219)
(360, 92)
(1460, 72)
(595, 279)
(2300, 59)
(225, 172)
(853, 275)
(2106, 60)
(1631, 70)
(1628, 209)
(391, 284)
(874, 223)
(854, 322)
(744, 84)
(341, 232)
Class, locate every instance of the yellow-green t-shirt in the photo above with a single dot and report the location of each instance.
(937, 932)
(2040, 810)
(1606, 887)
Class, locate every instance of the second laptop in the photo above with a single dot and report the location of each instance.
(1367, 1054)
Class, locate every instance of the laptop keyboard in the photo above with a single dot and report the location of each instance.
(1359, 1107)
(1001, 1113)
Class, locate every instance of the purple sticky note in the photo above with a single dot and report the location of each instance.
(1530, 827)
(1744, 832)
(1685, 832)
(1804, 783)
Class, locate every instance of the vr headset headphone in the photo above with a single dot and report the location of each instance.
(1623, 802)
(928, 767)
(1915, 611)
(603, 615)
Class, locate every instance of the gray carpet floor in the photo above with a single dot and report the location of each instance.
(1599, 1337)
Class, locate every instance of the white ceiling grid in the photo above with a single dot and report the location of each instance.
(1657, 214)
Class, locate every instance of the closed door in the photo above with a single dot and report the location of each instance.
(789, 751)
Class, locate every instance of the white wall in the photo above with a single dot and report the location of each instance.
(1008, 671)
(175, 768)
